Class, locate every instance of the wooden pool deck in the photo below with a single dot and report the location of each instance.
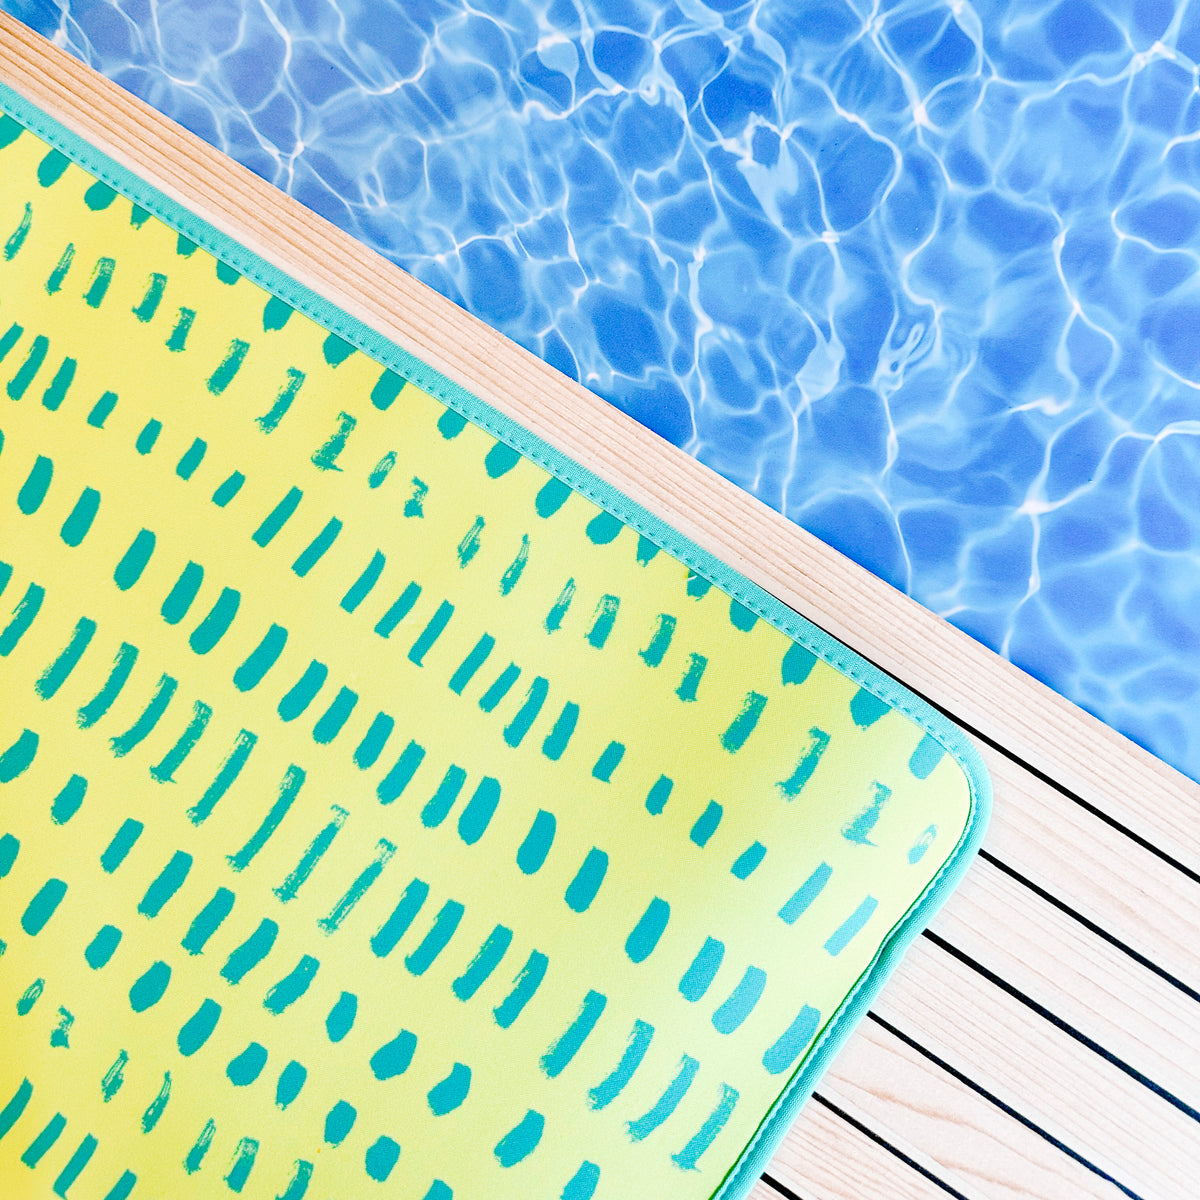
(1042, 1039)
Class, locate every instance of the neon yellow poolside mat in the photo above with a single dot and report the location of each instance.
(387, 806)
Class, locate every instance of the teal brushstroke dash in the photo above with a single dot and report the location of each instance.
(148, 989)
(515, 569)
(739, 1004)
(691, 677)
(558, 610)
(786, 1049)
(703, 970)
(520, 1142)
(144, 311)
(154, 1110)
(276, 314)
(18, 757)
(164, 771)
(531, 855)
(689, 1156)
(582, 1185)
(667, 1103)
(101, 410)
(50, 1134)
(468, 547)
(394, 1058)
(450, 1093)
(316, 850)
(866, 708)
(526, 984)
(859, 829)
(102, 274)
(743, 725)
(55, 675)
(325, 457)
(706, 824)
(37, 483)
(195, 1156)
(56, 390)
(74, 1167)
(605, 1092)
(230, 769)
(361, 587)
(646, 933)
(359, 888)
(289, 789)
(114, 1077)
(664, 630)
(269, 421)
(926, 756)
(16, 239)
(486, 960)
(805, 894)
(381, 1157)
(748, 861)
(230, 365)
(602, 625)
(557, 739)
(437, 939)
(582, 889)
(465, 671)
(133, 562)
(845, 932)
(608, 762)
(430, 634)
(292, 986)
(568, 1044)
(251, 952)
(818, 743)
(15, 1107)
(55, 281)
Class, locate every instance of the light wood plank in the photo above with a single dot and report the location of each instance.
(824, 1157)
(953, 1132)
(1082, 979)
(1123, 888)
(927, 653)
(1068, 1090)
(764, 1191)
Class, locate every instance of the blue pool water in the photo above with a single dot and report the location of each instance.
(922, 275)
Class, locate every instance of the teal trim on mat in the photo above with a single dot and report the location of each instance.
(759, 1151)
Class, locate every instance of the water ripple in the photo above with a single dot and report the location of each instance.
(922, 276)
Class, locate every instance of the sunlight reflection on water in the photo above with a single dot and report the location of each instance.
(921, 276)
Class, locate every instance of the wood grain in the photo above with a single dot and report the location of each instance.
(824, 1157)
(764, 1191)
(1072, 1092)
(1111, 880)
(1082, 979)
(950, 1130)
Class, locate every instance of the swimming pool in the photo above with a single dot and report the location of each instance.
(922, 276)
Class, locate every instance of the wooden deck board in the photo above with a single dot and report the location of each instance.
(764, 1191)
(950, 1130)
(826, 1157)
(1085, 1100)
(1132, 893)
(1085, 909)
(1085, 981)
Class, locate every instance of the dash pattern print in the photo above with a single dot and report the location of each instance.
(375, 807)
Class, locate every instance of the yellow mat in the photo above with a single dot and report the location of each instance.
(387, 806)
